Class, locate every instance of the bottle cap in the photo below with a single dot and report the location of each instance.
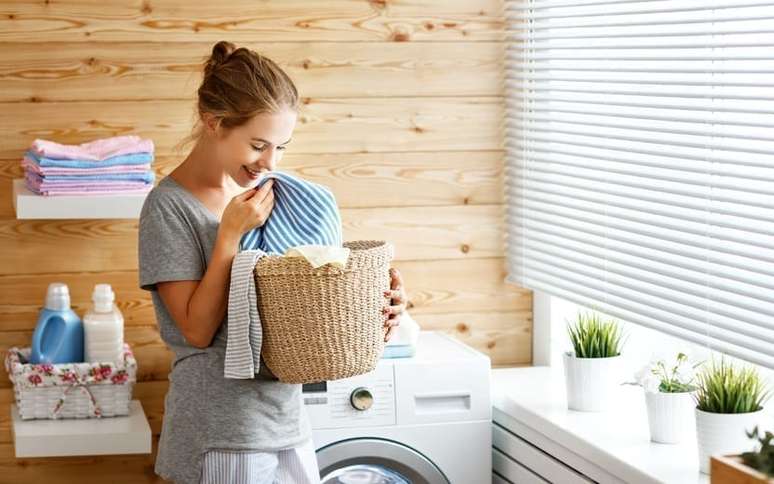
(57, 296)
(103, 298)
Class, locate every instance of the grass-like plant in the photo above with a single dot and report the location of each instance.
(594, 338)
(726, 388)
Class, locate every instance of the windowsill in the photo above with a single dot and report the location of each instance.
(616, 444)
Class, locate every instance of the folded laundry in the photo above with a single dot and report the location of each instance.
(319, 255)
(127, 159)
(144, 177)
(97, 150)
(32, 166)
(89, 190)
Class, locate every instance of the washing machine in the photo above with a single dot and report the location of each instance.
(426, 419)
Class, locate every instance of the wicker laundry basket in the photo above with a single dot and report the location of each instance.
(325, 323)
(71, 390)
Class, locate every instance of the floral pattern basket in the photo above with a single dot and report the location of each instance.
(71, 390)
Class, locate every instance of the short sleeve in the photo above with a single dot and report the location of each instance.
(167, 245)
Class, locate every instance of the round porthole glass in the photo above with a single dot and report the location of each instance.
(364, 474)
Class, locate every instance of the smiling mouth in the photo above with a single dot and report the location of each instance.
(251, 172)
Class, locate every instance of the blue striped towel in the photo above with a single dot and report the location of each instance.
(304, 213)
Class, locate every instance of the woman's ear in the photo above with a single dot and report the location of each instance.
(211, 124)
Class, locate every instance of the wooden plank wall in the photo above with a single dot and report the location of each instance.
(402, 109)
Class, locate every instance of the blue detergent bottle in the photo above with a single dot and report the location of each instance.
(58, 336)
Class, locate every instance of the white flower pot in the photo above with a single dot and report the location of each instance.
(669, 416)
(724, 433)
(592, 383)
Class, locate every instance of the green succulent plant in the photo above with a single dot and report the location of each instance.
(761, 460)
(592, 337)
(725, 388)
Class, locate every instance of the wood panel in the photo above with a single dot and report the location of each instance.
(116, 469)
(366, 180)
(434, 287)
(125, 71)
(111, 245)
(401, 117)
(249, 21)
(128, 469)
(506, 337)
(341, 125)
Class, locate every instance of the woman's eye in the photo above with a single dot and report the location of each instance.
(258, 148)
(281, 147)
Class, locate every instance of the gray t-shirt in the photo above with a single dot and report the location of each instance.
(202, 409)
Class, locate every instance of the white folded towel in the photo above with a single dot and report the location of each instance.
(319, 255)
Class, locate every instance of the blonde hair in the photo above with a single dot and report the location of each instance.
(238, 84)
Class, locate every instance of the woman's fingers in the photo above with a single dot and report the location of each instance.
(395, 278)
(246, 194)
(394, 310)
(264, 192)
(391, 325)
(396, 295)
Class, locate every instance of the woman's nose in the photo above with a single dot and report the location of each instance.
(269, 159)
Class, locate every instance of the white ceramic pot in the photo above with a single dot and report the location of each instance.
(592, 383)
(723, 434)
(669, 416)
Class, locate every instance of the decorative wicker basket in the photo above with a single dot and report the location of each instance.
(325, 323)
(71, 390)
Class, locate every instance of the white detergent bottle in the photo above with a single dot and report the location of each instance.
(103, 328)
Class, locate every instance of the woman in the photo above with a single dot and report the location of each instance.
(219, 430)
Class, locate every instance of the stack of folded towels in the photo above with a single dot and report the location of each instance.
(121, 164)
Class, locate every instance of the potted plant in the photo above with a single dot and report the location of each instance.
(669, 389)
(755, 467)
(729, 402)
(592, 369)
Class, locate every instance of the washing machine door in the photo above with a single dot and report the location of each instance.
(375, 461)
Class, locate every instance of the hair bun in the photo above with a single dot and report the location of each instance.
(220, 54)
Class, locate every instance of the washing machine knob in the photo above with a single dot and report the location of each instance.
(361, 398)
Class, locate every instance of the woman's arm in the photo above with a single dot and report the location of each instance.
(198, 307)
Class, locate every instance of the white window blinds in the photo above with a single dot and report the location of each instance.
(640, 163)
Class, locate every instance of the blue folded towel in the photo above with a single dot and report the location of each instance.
(304, 213)
(133, 159)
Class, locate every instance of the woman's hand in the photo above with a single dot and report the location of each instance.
(247, 210)
(396, 304)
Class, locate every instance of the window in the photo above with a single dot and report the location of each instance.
(640, 163)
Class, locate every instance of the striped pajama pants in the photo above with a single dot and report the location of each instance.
(291, 466)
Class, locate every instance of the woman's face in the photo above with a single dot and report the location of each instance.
(256, 147)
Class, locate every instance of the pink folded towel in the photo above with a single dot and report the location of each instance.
(89, 189)
(30, 165)
(56, 193)
(96, 150)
